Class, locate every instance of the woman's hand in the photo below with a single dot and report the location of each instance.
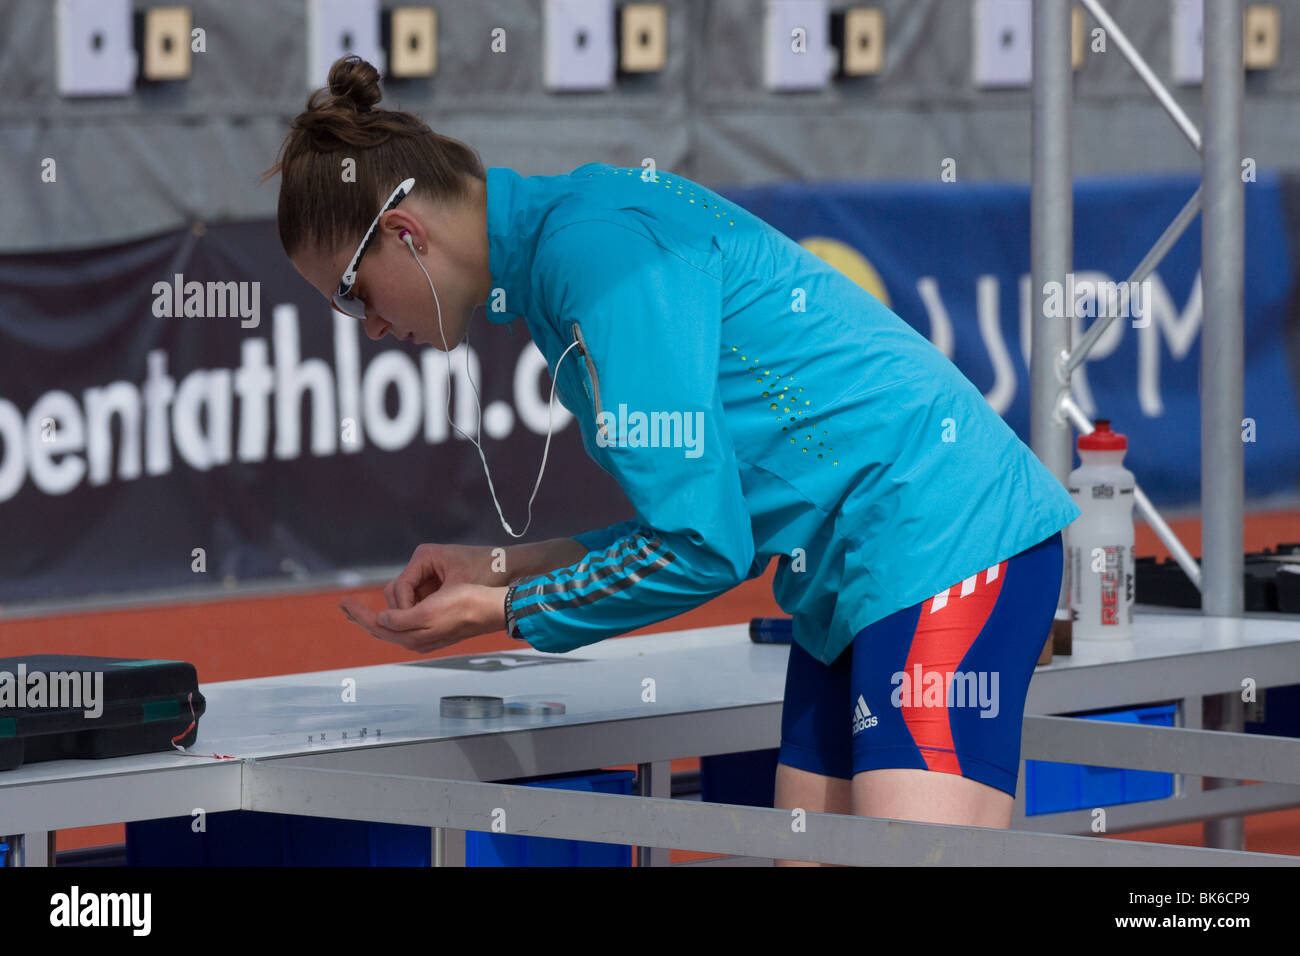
(443, 595)
(450, 592)
(450, 613)
(435, 566)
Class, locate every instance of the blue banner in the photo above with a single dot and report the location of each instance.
(953, 260)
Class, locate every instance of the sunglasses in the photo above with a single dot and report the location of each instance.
(344, 300)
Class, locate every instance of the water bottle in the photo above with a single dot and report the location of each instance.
(1099, 543)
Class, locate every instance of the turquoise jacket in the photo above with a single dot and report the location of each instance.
(753, 402)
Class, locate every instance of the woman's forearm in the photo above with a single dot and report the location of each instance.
(538, 557)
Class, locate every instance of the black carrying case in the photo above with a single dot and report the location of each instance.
(144, 704)
(1269, 581)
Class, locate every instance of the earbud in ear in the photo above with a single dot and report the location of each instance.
(405, 236)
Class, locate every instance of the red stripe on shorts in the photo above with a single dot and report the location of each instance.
(950, 622)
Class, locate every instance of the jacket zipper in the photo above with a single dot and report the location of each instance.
(591, 374)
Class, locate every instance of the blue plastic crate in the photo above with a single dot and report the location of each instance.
(324, 841)
(244, 838)
(1057, 787)
(501, 849)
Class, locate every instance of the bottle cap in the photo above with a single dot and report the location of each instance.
(1103, 439)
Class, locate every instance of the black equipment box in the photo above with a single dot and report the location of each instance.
(1271, 581)
(58, 706)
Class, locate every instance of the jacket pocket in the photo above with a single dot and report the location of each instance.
(591, 375)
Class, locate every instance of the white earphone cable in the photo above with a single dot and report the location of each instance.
(479, 403)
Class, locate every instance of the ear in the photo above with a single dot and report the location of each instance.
(395, 222)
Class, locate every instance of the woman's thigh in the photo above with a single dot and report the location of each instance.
(814, 769)
(813, 793)
(930, 796)
(925, 796)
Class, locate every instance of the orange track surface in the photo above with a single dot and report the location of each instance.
(260, 637)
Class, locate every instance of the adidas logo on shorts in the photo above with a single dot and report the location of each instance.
(862, 717)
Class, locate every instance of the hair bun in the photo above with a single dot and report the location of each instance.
(356, 81)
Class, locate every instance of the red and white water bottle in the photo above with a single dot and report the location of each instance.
(1099, 543)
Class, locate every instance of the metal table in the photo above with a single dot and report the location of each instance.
(648, 700)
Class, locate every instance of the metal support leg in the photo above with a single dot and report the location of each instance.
(1222, 358)
(654, 780)
(448, 847)
(1221, 336)
(35, 849)
(1190, 717)
(1224, 712)
(1051, 239)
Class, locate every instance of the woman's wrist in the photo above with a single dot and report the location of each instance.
(522, 561)
(492, 609)
(528, 560)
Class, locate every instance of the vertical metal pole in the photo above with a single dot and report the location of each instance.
(654, 780)
(645, 855)
(1222, 237)
(1051, 233)
(34, 849)
(448, 847)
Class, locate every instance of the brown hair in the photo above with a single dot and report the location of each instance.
(318, 209)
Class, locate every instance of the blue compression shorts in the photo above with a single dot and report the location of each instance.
(937, 686)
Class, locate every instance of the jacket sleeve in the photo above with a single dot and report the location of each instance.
(602, 538)
(650, 327)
